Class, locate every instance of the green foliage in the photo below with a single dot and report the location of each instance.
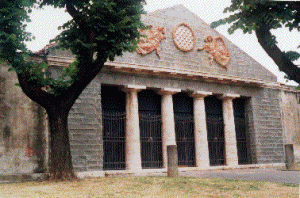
(292, 55)
(101, 29)
(248, 15)
(112, 24)
(267, 15)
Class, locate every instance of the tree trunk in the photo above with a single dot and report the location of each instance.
(284, 64)
(60, 167)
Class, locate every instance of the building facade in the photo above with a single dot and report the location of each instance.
(186, 85)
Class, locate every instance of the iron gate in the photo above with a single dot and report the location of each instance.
(184, 127)
(150, 129)
(240, 128)
(151, 141)
(114, 140)
(215, 130)
(113, 120)
(216, 144)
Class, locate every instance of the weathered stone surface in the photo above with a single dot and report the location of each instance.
(172, 170)
(291, 119)
(267, 124)
(22, 129)
(85, 129)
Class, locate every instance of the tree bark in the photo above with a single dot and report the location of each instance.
(60, 166)
(58, 108)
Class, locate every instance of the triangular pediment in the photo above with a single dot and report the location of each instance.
(176, 60)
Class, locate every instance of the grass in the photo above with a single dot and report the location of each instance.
(149, 187)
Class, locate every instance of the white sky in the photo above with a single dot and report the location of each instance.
(45, 22)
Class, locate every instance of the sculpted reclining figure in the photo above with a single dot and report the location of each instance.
(217, 50)
(151, 41)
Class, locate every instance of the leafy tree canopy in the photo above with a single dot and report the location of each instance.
(98, 31)
(261, 16)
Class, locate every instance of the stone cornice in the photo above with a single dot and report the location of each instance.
(170, 72)
(182, 74)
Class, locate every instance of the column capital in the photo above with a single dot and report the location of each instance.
(168, 91)
(128, 88)
(200, 94)
(229, 96)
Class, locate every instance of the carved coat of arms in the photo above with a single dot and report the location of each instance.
(151, 41)
(217, 50)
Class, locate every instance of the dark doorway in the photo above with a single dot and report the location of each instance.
(241, 132)
(113, 116)
(215, 130)
(150, 128)
(184, 128)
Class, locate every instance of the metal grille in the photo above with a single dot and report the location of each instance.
(241, 138)
(215, 129)
(241, 132)
(114, 140)
(184, 126)
(151, 141)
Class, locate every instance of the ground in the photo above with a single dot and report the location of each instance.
(149, 187)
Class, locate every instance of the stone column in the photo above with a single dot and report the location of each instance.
(132, 137)
(231, 155)
(200, 129)
(168, 122)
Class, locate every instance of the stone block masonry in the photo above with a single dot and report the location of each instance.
(268, 126)
(85, 129)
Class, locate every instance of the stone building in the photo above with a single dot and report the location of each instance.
(186, 85)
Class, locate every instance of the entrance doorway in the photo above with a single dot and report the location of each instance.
(241, 132)
(215, 130)
(150, 129)
(113, 118)
(184, 129)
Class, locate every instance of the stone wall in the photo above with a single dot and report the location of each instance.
(85, 129)
(22, 129)
(291, 120)
(268, 129)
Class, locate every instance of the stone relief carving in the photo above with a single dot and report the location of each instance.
(152, 41)
(217, 50)
(184, 37)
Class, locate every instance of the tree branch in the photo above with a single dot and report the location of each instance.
(75, 15)
(284, 63)
(34, 93)
(85, 75)
(83, 26)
